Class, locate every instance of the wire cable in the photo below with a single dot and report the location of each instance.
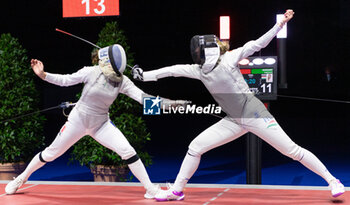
(315, 99)
(63, 105)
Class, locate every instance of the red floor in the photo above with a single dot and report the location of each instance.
(33, 194)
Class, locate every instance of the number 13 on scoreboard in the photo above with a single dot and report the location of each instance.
(86, 8)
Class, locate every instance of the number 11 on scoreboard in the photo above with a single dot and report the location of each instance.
(268, 87)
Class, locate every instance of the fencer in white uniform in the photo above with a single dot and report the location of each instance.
(220, 74)
(90, 116)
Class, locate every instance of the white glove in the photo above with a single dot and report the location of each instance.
(175, 103)
(137, 73)
(182, 103)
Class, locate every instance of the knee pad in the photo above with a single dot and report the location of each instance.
(41, 158)
(126, 152)
(132, 159)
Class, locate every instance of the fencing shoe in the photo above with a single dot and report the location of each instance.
(169, 195)
(151, 193)
(13, 185)
(337, 188)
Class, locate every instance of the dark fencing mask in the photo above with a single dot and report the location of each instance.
(205, 51)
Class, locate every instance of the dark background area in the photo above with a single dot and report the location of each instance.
(159, 33)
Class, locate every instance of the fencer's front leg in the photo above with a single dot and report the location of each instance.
(137, 73)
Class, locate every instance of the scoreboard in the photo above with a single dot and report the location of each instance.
(260, 73)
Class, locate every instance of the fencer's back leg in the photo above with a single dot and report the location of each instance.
(68, 135)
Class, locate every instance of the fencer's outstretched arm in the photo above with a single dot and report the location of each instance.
(253, 46)
(181, 70)
(129, 88)
(58, 79)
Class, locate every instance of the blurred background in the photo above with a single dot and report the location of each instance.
(159, 33)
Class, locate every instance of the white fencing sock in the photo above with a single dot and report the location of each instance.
(34, 165)
(310, 161)
(139, 171)
(188, 168)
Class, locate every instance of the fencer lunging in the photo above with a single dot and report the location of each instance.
(218, 69)
(102, 84)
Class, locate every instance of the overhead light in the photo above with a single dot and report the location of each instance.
(224, 27)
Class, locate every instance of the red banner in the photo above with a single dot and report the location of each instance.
(86, 8)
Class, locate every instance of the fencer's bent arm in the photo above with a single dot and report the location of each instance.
(69, 79)
(181, 70)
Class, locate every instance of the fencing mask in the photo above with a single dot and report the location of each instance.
(205, 51)
(112, 61)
